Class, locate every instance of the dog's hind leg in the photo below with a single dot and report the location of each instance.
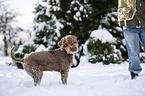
(35, 73)
(64, 76)
(37, 77)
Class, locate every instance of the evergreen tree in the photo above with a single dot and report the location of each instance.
(44, 26)
(77, 17)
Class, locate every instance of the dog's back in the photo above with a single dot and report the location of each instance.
(54, 60)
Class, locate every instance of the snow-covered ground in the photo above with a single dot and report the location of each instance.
(85, 80)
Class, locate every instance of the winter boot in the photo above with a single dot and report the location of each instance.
(133, 75)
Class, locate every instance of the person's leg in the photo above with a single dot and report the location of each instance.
(132, 39)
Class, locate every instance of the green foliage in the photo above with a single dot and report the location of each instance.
(103, 52)
(142, 59)
(142, 56)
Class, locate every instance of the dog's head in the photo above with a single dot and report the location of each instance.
(69, 43)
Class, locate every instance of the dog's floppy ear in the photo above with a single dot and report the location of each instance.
(60, 43)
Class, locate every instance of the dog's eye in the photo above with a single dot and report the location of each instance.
(75, 41)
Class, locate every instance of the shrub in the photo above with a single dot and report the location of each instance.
(103, 52)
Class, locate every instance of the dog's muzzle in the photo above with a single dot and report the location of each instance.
(73, 49)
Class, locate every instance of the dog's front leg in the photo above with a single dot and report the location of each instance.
(64, 76)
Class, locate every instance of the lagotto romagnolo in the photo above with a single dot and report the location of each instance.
(59, 60)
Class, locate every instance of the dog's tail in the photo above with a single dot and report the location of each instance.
(19, 60)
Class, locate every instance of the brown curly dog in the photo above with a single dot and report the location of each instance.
(59, 60)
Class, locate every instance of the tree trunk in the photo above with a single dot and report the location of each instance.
(5, 45)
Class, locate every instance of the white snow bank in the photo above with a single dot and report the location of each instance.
(103, 35)
(41, 48)
(85, 80)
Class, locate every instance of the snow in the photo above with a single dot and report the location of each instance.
(41, 48)
(142, 54)
(85, 80)
(78, 14)
(48, 11)
(59, 26)
(102, 35)
(41, 26)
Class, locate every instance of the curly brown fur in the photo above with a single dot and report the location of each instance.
(59, 60)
